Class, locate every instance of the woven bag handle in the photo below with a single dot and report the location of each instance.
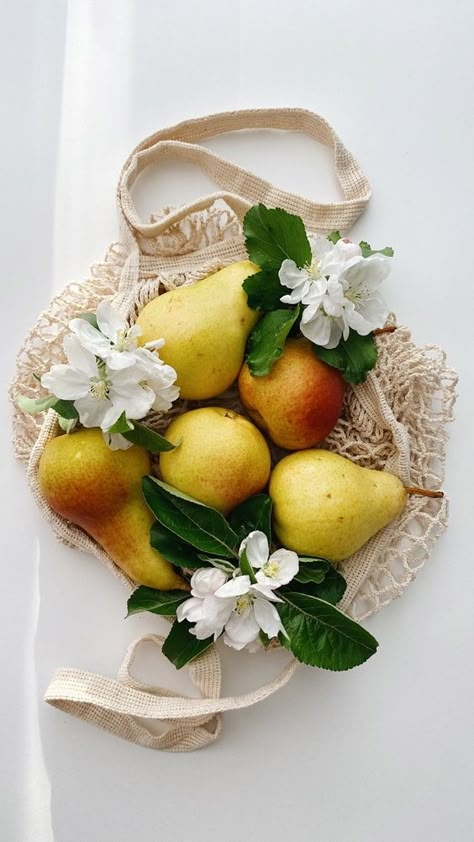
(242, 188)
(120, 705)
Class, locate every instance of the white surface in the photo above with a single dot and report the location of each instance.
(376, 755)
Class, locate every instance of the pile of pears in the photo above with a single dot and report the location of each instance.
(323, 504)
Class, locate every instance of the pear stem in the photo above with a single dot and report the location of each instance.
(424, 492)
(386, 329)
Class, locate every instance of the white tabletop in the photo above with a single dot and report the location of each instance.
(381, 753)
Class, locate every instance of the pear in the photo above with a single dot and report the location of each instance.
(222, 459)
(299, 402)
(324, 505)
(99, 489)
(205, 327)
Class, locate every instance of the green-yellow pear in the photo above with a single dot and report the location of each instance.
(99, 489)
(205, 327)
(324, 505)
(222, 460)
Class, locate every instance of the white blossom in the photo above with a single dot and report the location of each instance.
(99, 394)
(240, 606)
(273, 570)
(113, 340)
(108, 375)
(339, 290)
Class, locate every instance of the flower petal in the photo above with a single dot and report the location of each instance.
(134, 400)
(241, 629)
(317, 329)
(91, 410)
(315, 293)
(90, 338)
(112, 413)
(348, 250)
(369, 272)
(215, 615)
(297, 294)
(369, 315)
(234, 587)
(206, 581)
(164, 398)
(154, 345)
(290, 275)
(117, 360)
(256, 548)
(191, 610)
(78, 357)
(65, 382)
(109, 319)
(321, 247)
(288, 565)
(264, 587)
(267, 617)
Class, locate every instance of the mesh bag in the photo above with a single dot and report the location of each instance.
(395, 421)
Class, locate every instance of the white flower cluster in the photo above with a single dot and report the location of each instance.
(107, 374)
(242, 605)
(339, 290)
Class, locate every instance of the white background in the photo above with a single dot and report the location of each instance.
(379, 754)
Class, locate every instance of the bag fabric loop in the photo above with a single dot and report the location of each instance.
(241, 187)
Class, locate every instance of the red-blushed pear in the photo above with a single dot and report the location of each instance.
(99, 489)
(299, 402)
(222, 459)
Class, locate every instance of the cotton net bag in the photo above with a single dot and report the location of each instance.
(395, 421)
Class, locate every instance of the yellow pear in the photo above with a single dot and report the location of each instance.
(222, 460)
(324, 505)
(99, 489)
(205, 327)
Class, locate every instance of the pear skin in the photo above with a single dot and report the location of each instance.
(99, 489)
(222, 460)
(324, 505)
(205, 327)
(299, 402)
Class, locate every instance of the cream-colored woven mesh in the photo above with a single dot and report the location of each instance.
(395, 421)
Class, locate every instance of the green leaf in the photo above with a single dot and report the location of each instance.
(122, 425)
(35, 405)
(267, 340)
(273, 235)
(246, 567)
(181, 646)
(174, 550)
(220, 563)
(334, 236)
(254, 514)
(322, 636)
(196, 524)
(158, 602)
(367, 251)
(312, 569)
(354, 356)
(89, 317)
(264, 290)
(332, 587)
(149, 439)
(66, 409)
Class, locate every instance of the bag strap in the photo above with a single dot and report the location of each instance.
(119, 705)
(242, 188)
